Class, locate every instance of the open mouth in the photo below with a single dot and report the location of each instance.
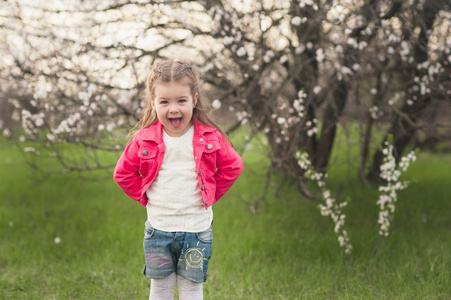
(175, 121)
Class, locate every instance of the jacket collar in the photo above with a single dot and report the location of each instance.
(201, 129)
(154, 132)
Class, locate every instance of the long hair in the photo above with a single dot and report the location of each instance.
(173, 71)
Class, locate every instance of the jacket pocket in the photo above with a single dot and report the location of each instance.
(148, 155)
(209, 155)
(211, 146)
(147, 150)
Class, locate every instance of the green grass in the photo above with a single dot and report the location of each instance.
(286, 251)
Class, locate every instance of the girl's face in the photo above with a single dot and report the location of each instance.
(174, 104)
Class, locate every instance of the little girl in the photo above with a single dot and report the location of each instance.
(178, 163)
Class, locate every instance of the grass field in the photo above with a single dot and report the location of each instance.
(63, 238)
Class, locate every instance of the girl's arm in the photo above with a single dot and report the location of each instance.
(126, 174)
(229, 167)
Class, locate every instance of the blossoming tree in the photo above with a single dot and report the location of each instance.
(292, 70)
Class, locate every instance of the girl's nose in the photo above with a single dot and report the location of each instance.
(173, 108)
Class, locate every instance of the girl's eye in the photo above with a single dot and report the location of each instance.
(182, 100)
(164, 102)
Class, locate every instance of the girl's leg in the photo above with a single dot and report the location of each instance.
(189, 290)
(163, 288)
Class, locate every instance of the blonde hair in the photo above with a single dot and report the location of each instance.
(173, 71)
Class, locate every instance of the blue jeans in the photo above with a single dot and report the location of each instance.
(185, 253)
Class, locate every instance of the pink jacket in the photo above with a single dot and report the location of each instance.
(218, 165)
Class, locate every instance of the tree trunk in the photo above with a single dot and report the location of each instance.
(331, 118)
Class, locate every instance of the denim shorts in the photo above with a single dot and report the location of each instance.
(185, 253)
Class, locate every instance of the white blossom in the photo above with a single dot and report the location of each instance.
(241, 51)
(312, 131)
(298, 105)
(352, 42)
(110, 126)
(317, 89)
(368, 30)
(111, 110)
(84, 96)
(320, 55)
(7, 132)
(303, 3)
(281, 121)
(228, 40)
(283, 59)
(329, 207)
(299, 49)
(388, 192)
(356, 67)
(242, 117)
(362, 45)
(395, 99)
(374, 111)
(302, 94)
(238, 36)
(39, 121)
(268, 55)
(216, 104)
(346, 71)
(51, 137)
(15, 115)
(40, 93)
(405, 49)
(296, 21)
